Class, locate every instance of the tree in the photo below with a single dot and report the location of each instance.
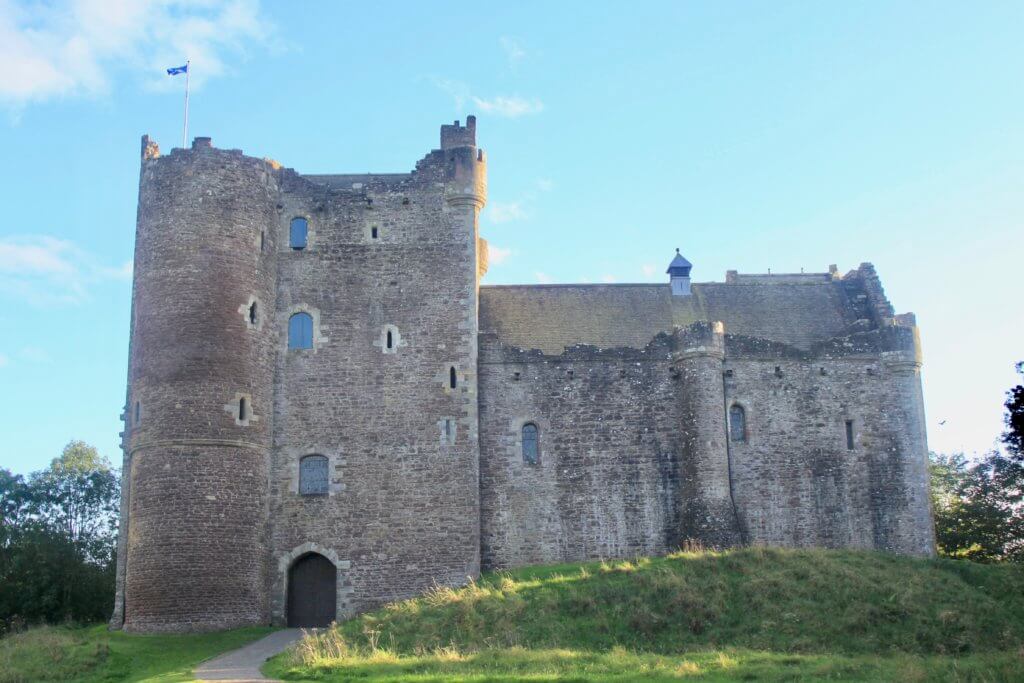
(1013, 437)
(977, 507)
(77, 498)
(58, 532)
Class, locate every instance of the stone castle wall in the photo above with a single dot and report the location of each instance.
(629, 386)
(196, 476)
(402, 512)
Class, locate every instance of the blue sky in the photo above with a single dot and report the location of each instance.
(751, 135)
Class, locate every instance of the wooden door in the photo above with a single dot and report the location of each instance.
(312, 592)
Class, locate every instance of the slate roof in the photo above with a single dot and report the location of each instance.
(679, 261)
(551, 317)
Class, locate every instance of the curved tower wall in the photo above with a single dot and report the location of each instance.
(196, 470)
(708, 514)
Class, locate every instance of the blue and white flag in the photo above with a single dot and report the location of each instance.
(175, 70)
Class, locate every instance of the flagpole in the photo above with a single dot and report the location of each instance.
(184, 132)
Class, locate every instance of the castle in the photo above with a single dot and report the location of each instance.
(326, 411)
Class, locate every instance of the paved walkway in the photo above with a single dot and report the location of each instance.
(243, 665)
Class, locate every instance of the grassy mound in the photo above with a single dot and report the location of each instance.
(93, 654)
(755, 612)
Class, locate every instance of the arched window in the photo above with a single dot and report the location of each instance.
(300, 331)
(298, 233)
(313, 475)
(737, 423)
(531, 450)
(453, 379)
(390, 343)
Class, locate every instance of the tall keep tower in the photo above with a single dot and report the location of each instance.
(197, 420)
(226, 406)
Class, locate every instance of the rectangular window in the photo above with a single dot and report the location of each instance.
(849, 435)
(313, 478)
(298, 233)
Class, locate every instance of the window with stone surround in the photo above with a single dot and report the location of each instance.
(298, 233)
(531, 446)
(313, 475)
(300, 331)
(737, 423)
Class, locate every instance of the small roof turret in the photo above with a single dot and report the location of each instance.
(679, 267)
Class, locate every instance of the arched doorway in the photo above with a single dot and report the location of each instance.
(312, 591)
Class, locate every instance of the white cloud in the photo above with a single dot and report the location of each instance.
(44, 270)
(34, 354)
(509, 106)
(75, 47)
(544, 278)
(649, 269)
(513, 50)
(505, 212)
(497, 255)
(608, 278)
(121, 272)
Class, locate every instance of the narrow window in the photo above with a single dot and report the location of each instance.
(373, 232)
(300, 331)
(390, 342)
(737, 423)
(531, 453)
(298, 233)
(313, 475)
(448, 432)
(849, 435)
(263, 239)
(138, 411)
(252, 313)
(242, 410)
(452, 379)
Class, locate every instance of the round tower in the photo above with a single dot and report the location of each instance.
(708, 513)
(198, 433)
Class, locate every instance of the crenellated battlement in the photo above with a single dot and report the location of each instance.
(456, 135)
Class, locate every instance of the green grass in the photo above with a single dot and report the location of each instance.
(750, 614)
(93, 654)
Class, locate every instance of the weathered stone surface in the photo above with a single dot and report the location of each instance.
(628, 385)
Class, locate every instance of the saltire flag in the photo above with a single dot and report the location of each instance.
(175, 70)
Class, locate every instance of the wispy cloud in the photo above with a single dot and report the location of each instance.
(545, 184)
(513, 49)
(649, 269)
(608, 278)
(44, 270)
(75, 47)
(497, 255)
(508, 106)
(505, 212)
(34, 354)
(4, 361)
(543, 278)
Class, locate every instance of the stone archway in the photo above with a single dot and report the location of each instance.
(312, 592)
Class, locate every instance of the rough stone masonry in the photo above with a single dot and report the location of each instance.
(318, 379)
